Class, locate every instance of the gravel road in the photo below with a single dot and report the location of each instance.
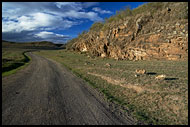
(45, 93)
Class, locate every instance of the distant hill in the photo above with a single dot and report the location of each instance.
(42, 44)
(157, 30)
(60, 45)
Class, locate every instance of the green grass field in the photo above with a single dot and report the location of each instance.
(13, 59)
(150, 100)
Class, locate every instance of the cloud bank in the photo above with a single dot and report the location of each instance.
(97, 9)
(35, 21)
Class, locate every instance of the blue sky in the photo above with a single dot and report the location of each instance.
(54, 21)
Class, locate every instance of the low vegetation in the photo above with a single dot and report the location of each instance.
(12, 60)
(150, 99)
(96, 26)
(31, 45)
(14, 57)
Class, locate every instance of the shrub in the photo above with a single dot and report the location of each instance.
(149, 7)
(96, 26)
(124, 13)
(120, 15)
(70, 43)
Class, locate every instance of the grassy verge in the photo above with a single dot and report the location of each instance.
(152, 101)
(13, 60)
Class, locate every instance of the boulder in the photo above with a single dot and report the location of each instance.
(103, 55)
(108, 64)
(140, 71)
(160, 77)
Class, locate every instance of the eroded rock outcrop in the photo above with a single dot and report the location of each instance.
(144, 36)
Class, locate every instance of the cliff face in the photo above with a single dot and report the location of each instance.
(151, 31)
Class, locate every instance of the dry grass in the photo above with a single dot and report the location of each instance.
(153, 101)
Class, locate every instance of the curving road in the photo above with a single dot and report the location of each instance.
(45, 93)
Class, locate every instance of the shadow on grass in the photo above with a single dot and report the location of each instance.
(16, 64)
(151, 73)
(6, 60)
(171, 79)
(12, 66)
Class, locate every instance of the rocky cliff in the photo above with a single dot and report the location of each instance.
(151, 31)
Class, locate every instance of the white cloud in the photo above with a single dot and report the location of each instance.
(17, 9)
(36, 21)
(50, 36)
(97, 9)
(9, 26)
(69, 5)
(35, 17)
(82, 15)
(46, 34)
(28, 16)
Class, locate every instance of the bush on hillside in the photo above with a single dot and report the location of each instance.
(96, 26)
(70, 43)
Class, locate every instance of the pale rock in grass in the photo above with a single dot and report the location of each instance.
(137, 75)
(103, 55)
(140, 71)
(174, 32)
(177, 24)
(108, 64)
(161, 77)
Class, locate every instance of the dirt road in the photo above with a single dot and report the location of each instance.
(46, 93)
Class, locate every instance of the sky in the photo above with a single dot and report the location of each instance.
(57, 22)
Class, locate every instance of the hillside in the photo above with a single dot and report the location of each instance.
(42, 44)
(157, 30)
